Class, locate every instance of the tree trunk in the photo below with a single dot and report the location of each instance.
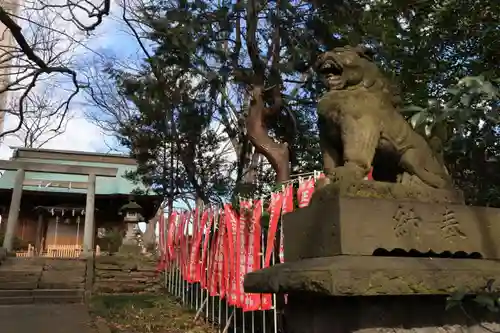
(149, 235)
(250, 174)
(276, 153)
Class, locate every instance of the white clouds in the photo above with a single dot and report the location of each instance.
(80, 135)
(52, 27)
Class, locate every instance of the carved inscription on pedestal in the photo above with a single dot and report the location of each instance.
(407, 222)
(450, 226)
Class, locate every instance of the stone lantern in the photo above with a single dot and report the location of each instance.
(131, 213)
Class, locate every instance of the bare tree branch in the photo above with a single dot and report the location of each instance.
(26, 64)
(97, 12)
(42, 123)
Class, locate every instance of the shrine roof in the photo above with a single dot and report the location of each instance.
(66, 183)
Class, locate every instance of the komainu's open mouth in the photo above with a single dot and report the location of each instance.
(330, 66)
(332, 72)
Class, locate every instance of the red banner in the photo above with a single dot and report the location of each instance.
(243, 226)
(217, 247)
(213, 262)
(194, 264)
(184, 244)
(204, 249)
(226, 273)
(232, 244)
(161, 229)
(172, 223)
(162, 248)
(179, 232)
(287, 208)
(266, 302)
(274, 216)
(221, 257)
(253, 259)
(305, 191)
(370, 175)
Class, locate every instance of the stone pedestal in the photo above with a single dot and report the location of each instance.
(361, 259)
(130, 235)
(129, 243)
(369, 219)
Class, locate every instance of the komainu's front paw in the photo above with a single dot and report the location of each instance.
(347, 173)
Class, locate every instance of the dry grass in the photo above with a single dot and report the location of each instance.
(145, 314)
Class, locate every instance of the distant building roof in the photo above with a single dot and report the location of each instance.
(104, 185)
(20, 152)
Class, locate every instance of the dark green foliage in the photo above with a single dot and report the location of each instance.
(199, 70)
(17, 244)
(195, 78)
(111, 240)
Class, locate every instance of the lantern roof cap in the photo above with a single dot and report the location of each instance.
(131, 206)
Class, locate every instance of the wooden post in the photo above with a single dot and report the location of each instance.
(89, 229)
(15, 205)
(38, 239)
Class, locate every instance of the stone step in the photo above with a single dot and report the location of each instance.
(19, 272)
(59, 285)
(21, 263)
(19, 285)
(58, 295)
(19, 269)
(58, 299)
(16, 300)
(18, 277)
(12, 297)
(16, 293)
(58, 292)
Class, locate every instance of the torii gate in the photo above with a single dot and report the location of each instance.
(21, 167)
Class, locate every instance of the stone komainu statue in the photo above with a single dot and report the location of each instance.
(358, 118)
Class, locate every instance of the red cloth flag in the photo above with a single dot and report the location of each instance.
(204, 249)
(172, 223)
(253, 259)
(184, 244)
(305, 191)
(241, 255)
(194, 264)
(231, 243)
(161, 236)
(213, 263)
(370, 174)
(287, 208)
(162, 262)
(274, 211)
(221, 256)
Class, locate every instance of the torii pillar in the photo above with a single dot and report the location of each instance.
(15, 205)
(89, 228)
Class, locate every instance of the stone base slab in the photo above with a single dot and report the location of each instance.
(339, 224)
(383, 314)
(374, 276)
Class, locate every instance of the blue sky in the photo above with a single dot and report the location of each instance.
(109, 39)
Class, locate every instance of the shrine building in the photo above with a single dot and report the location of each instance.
(54, 202)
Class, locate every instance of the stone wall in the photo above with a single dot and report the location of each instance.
(120, 274)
